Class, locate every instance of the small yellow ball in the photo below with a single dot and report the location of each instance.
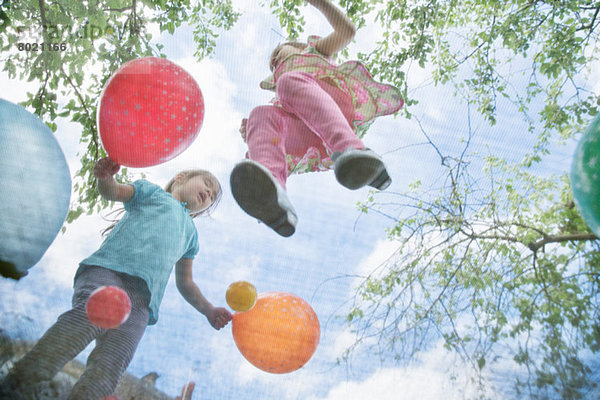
(241, 296)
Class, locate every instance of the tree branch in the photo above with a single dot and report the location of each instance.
(88, 112)
(475, 236)
(118, 9)
(535, 246)
(574, 237)
(43, 16)
(590, 26)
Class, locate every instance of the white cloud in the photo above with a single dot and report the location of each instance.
(243, 269)
(15, 90)
(343, 340)
(437, 375)
(392, 384)
(66, 252)
(294, 385)
(252, 21)
(382, 251)
(21, 305)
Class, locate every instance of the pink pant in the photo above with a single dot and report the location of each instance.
(314, 114)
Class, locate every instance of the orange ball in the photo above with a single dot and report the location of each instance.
(279, 334)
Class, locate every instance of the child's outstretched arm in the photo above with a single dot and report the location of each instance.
(344, 29)
(108, 188)
(217, 316)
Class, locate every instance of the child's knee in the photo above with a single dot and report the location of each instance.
(264, 118)
(260, 113)
(291, 83)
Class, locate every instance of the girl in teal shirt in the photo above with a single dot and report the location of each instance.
(155, 233)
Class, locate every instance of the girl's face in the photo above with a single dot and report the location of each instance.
(198, 192)
(281, 54)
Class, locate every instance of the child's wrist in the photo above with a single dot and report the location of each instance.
(105, 177)
(207, 309)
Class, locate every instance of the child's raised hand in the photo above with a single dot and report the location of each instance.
(105, 168)
(243, 128)
(219, 317)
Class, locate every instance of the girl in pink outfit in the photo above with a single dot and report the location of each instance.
(315, 123)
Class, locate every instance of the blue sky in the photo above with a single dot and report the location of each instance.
(333, 240)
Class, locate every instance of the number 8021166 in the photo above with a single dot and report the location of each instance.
(41, 46)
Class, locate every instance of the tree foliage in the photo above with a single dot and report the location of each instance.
(497, 267)
(526, 51)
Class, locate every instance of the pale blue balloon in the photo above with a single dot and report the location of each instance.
(35, 189)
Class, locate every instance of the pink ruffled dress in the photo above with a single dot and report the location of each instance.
(370, 98)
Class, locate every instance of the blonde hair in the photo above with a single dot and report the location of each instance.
(189, 174)
(186, 175)
(293, 43)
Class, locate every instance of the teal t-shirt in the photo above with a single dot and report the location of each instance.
(155, 232)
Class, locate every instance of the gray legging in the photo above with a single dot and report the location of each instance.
(72, 332)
